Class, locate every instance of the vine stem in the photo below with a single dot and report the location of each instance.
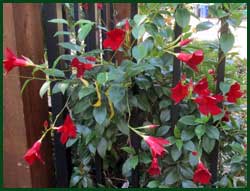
(33, 78)
(129, 111)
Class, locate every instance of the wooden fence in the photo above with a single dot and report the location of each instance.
(27, 32)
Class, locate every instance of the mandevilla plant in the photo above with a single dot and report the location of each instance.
(103, 99)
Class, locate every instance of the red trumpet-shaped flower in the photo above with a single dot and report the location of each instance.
(192, 60)
(234, 93)
(225, 118)
(180, 91)
(208, 104)
(67, 130)
(99, 6)
(81, 66)
(33, 153)
(154, 168)
(202, 174)
(12, 61)
(156, 145)
(114, 39)
(185, 42)
(201, 88)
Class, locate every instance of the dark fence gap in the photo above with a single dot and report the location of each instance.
(135, 121)
(176, 78)
(213, 157)
(61, 155)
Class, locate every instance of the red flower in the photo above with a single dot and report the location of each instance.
(45, 124)
(179, 92)
(81, 66)
(12, 61)
(85, 6)
(114, 39)
(201, 88)
(208, 104)
(192, 60)
(152, 126)
(127, 25)
(211, 72)
(234, 93)
(67, 130)
(185, 42)
(194, 153)
(156, 145)
(202, 174)
(99, 6)
(226, 116)
(33, 153)
(154, 168)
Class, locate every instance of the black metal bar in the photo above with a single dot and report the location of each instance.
(213, 156)
(91, 44)
(135, 121)
(176, 78)
(61, 162)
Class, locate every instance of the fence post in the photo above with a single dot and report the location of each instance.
(220, 73)
(57, 100)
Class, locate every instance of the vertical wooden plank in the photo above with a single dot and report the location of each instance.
(57, 100)
(14, 133)
(28, 35)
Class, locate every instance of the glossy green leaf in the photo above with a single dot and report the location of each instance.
(226, 42)
(208, 144)
(102, 147)
(204, 26)
(44, 88)
(182, 17)
(212, 132)
(100, 114)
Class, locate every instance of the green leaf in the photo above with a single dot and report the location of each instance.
(204, 26)
(200, 130)
(208, 144)
(139, 52)
(83, 21)
(236, 159)
(187, 134)
(151, 28)
(74, 180)
(138, 31)
(143, 83)
(153, 184)
(70, 142)
(226, 42)
(177, 132)
(25, 84)
(85, 91)
(186, 172)
(54, 72)
(129, 150)
(71, 46)
(212, 132)
(218, 117)
(224, 87)
(116, 93)
(44, 88)
(193, 160)
(100, 114)
(129, 164)
(61, 21)
(182, 17)
(102, 147)
(84, 31)
(189, 146)
(102, 77)
(188, 184)
(139, 19)
(164, 104)
(188, 120)
(162, 130)
(237, 147)
(123, 126)
(175, 153)
(172, 177)
(165, 115)
(60, 87)
(61, 33)
(179, 144)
